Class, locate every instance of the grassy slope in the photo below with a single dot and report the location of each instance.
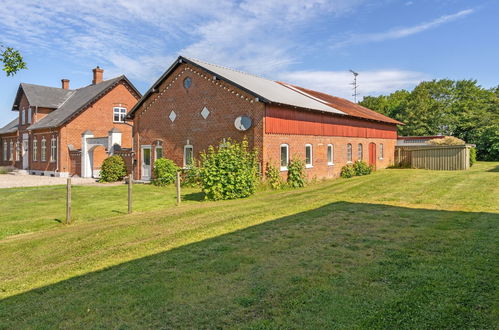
(397, 248)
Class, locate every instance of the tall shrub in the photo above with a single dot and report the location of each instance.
(113, 169)
(296, 173)
(165, 172)
(229, 171)
(273, 176)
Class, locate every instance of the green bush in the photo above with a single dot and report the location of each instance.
(229, 171)
(165, 172)
(273, 177)
(347, 171)
(361, 168)
(472, 156)
(192, 176)
(296, 173)
(113, 169)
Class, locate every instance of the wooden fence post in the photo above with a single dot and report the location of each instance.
(130, 180)
(178, 188)
(68, 201)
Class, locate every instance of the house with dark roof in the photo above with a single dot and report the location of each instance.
(195, 104)
(64, 131)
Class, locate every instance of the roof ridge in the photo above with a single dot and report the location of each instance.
(227, 68)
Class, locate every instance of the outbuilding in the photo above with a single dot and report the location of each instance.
(195, 104)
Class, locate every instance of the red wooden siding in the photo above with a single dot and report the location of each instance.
(281, 120)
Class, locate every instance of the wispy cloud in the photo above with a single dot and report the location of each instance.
(370, 82)
(401, 32)
(138, 37)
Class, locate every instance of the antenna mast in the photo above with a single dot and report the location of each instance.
(355, 86)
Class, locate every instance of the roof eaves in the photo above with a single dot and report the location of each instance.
(167, 73)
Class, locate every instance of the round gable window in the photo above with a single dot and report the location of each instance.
(187, 82)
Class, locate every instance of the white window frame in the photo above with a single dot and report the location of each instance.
(156, 148)
(121, 112)
(5, 148)
(53, 150)
(330, 161)
(307, 165)
(11, 154)
(284, 168)
(23, 117)
(381, 151)
(43, 155)
(360, 151)
(18, 151)
(188, 146)
(29, 116)
(349, 153)
(35, 149)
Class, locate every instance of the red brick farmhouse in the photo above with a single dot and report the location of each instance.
(195, 104)
(63, 131)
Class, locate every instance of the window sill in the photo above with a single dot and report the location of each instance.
(349, 162)
(309, 166)
(119, 122)
(284, 169)
(330, 164)
(381, 158)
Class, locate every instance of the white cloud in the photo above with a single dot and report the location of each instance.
(132, 35)
(401, 32)
(338, 83)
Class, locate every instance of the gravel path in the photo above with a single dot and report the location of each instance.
(10, 181)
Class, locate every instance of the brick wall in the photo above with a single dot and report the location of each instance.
(320, 168)
(99, 119)
(225, 103)
(16, 160)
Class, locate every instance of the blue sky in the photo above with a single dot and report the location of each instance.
(392, 44)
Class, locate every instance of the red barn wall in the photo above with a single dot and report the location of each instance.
(297, 128)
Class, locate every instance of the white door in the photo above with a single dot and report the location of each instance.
(146, 162)
(25, 154)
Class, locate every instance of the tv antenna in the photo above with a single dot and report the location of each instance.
(355, 86)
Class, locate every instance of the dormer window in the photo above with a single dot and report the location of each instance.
(23, 117)
(119, 114)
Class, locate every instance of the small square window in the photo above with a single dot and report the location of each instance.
(119, 114)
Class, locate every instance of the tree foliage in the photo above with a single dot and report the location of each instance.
(12, 60)
(459, 108)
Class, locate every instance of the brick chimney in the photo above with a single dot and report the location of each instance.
(65, 83)
(98, 73)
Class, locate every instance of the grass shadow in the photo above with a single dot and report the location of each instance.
(343, 265)
(194, 197)
(495, 169)
(58, 220)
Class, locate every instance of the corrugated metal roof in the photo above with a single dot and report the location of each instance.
(10, 127)
(348, 107)
(265, 88)
(78, 99)
(274, 92)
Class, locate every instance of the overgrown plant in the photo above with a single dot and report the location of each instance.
(165, 172)
(472, 156)
(192, 176)
(347, 171)
(296, 173)
(273, 177)
(229, 171)
(113, 169)
(361, 168)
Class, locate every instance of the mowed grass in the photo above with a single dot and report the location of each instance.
(396, 249)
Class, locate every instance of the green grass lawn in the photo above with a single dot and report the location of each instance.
(396, 249)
